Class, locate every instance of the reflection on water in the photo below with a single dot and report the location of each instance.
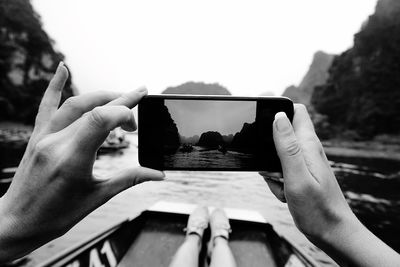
(201, 157)
(371, 187)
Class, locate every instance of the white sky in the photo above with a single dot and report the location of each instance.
(193, 117)
(248, 46)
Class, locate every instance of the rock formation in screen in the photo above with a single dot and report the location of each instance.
(246, 139)
(171, 135)
(211, 139)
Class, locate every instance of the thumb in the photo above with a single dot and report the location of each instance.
(293, 165)
(130, 177)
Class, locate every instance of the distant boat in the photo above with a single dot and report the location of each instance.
(222, 149)
(115, 141)
(186, 148)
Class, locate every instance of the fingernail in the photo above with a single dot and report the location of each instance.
(142, 90)
(282, 122)
(133, 121)
(61, 64)
(162, 176)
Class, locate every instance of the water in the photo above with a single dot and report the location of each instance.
(208, 158)
(371, 187)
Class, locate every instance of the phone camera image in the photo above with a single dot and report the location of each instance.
(208, 134)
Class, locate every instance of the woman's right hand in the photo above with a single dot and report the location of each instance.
(315, 199)
(310, 187)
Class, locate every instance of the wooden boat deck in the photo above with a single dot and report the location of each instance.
(163, 235)
(153, 237)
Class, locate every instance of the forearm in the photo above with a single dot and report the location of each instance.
(7, 248)
(352, 244)
(17, 236)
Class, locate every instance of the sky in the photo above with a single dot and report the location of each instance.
(194, 117)
(250, 47)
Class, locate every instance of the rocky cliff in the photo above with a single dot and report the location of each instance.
(197, 88)
(315, 76)
(27, 61)
(246, 139)
(171, 137)
(294, 93)
(210, 139)
(362, 93)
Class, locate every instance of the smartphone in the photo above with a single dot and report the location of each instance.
(209, 133)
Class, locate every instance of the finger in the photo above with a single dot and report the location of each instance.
(301, 119)
(309, 142)
(303, 126)
(74, 107)
(52, 95)
(93, 128)
(276, 189)
(130, 99)
(293, 166)
(130, 177)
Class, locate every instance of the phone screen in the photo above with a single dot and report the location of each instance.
(209, 133)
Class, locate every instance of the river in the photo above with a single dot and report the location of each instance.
(372, 188)
(201, 157)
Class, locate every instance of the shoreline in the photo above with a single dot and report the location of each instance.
(372, 150)
(16, 135)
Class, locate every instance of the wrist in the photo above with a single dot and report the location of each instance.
(345, 228)
(340, 239)
(6, 232)
(20, 234)
(15, 242)
(350, 243)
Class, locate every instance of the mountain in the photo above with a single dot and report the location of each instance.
(27, 62)
(170, 134)
(387, 8)
(227, 138)
(267, 93)
(362, 93)
(197, 88)
(316, 75)
(190, 140)
(245, 140)
(294, 93)
(165, 133)
(210, 139)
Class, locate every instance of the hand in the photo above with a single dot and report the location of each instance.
(309, 185)
(54, 186)
(315, 199)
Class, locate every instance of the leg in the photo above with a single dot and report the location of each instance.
(188, 252)
(220, 229)
(222, 254)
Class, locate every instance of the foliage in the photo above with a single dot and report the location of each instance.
(27, 61)
(362, 93)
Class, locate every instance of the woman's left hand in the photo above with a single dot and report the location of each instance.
(54, 186)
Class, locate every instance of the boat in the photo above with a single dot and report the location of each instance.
(222, 149)
(152, 237)
(6, 176)
(186, 148)
(115, 141)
